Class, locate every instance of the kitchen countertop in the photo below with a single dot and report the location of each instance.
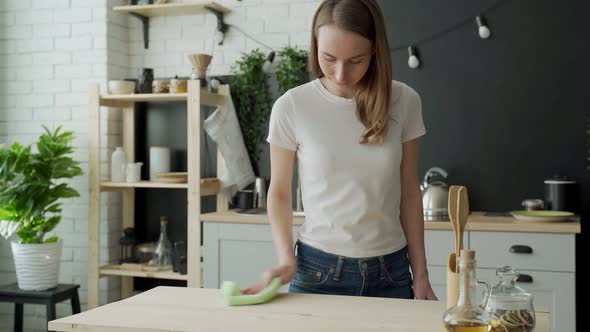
(477, 221)
(179, 309)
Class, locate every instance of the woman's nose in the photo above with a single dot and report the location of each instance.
(340, 73)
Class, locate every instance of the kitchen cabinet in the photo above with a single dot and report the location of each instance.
(237, 252)
(546, 263)
(196, 187)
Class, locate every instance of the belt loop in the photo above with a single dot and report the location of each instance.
(382, 267)
(295, 247)
(338, 268)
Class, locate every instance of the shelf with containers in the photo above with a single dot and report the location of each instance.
(195, 186)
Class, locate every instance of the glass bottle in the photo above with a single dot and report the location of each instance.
(467, 315)
(163, 254)
(509, 306)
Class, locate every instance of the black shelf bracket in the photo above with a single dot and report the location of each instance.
(221, 25)
(145, 21)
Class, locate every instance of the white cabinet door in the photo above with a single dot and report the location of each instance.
(237, 252)
(439, 244)
(554, 291)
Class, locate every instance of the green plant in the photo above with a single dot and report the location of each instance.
(251, 95)
(31, 185)
(291, 68)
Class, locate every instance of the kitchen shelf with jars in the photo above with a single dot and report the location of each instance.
(126, 179)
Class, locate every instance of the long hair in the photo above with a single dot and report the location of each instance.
(373, 91)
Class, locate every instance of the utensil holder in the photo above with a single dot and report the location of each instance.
(452, 281)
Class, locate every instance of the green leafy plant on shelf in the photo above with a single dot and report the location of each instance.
(291, 68)
(32, 185)
(251, 95)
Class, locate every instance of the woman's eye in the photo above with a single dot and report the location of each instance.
(330, 60)
(355, 62)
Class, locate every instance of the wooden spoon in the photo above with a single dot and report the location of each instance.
(453, 215)
(462, 213)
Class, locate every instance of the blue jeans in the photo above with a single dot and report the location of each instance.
(319, 272)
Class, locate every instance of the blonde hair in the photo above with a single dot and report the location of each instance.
(373, 91)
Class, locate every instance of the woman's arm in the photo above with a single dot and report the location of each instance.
(280, 213)
(412, 220)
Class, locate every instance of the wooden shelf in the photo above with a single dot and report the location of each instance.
(121, 101)
(173, 9)
(209, 186)
(115, 270)
(145, 12)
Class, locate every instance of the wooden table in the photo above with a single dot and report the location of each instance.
(172, 309)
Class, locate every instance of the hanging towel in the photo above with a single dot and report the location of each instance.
(223, 127)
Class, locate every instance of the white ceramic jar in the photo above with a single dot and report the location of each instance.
(159, 161)
(118, 164)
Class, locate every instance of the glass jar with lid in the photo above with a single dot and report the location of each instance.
(509, 306)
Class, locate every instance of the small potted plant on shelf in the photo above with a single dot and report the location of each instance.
(32, 184)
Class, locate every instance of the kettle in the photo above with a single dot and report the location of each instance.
(435, 196)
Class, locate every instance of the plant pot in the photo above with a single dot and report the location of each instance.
(37, 265)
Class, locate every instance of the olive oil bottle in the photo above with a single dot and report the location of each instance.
(467, 315)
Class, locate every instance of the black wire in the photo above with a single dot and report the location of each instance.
(450, 29)
(249, 36)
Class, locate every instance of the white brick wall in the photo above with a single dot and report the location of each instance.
(50, 50)
(276, 23)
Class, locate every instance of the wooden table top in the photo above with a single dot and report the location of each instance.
(179, 309)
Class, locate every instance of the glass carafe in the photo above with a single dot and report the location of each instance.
(163, 254)
(467, 315)
(509, 306)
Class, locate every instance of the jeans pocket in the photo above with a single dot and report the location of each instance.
(311, 274)
(398, 273)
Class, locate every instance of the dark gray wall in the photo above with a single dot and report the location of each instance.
(505, 113)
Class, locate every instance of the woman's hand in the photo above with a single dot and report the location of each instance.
(422, 289)
(285, 272)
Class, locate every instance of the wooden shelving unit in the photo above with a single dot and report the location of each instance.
(195, 186)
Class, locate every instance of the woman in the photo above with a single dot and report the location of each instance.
(355, 133)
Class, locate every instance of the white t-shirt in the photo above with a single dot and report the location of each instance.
(350, 191)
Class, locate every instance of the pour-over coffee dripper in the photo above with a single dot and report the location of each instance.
(200, 62)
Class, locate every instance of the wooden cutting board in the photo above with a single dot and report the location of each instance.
(179, 309)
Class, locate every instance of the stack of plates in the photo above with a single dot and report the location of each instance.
(543, 216)
(173, 177)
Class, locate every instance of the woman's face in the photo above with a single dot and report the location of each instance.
(344, 58)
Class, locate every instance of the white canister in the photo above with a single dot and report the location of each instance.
(134, 172)
(118, 164)
(159, 161)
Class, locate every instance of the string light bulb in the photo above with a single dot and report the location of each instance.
(413, 61)
(483, 30)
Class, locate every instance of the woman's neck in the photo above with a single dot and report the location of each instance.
(344, 92)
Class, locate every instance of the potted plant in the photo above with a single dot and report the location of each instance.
(31, 188)
(251, 96)
(291, 70)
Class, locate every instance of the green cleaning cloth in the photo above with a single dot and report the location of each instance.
(233, 295)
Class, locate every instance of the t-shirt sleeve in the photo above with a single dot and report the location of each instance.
(413, 125)
(281, 129)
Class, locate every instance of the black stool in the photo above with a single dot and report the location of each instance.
(11, 293)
